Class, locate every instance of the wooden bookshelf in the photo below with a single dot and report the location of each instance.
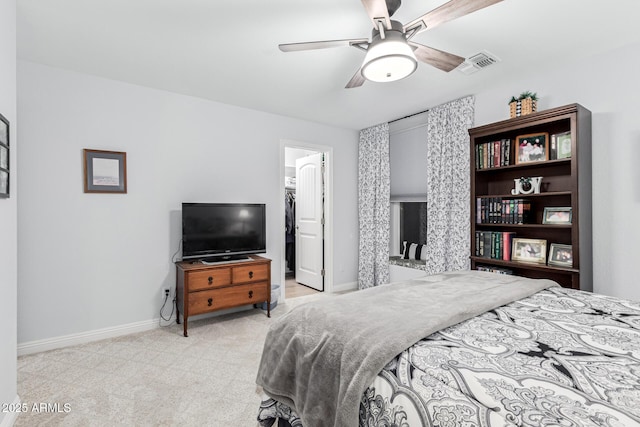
(565, 183)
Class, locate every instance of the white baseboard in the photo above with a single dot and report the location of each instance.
(344, 287)
(85, 337)
(11, 416)
(47, 344)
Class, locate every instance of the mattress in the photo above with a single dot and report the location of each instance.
(558, 357)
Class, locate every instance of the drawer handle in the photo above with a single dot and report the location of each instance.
(210, 279)
(251, 275)
(210, 302)
(250, 294)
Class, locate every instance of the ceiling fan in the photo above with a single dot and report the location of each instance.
(390, 54)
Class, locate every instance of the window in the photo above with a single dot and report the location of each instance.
(408, 223)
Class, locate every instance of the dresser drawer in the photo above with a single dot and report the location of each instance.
(208, 279)
(204, 301)
(250, 273)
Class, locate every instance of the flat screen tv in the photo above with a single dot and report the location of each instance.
(222, 231)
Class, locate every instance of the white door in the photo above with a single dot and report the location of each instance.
(309, 228)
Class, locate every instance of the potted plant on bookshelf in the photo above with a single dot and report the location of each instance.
(514, 107)
(528, 103)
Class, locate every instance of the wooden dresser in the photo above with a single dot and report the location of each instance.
(203, 288)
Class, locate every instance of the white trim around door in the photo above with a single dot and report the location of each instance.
(328, 210)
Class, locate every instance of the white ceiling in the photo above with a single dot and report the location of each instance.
(228, 51)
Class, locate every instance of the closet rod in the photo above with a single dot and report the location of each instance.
(410, 115)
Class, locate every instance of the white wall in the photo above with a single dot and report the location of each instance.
(91, 261)
(606, 85)
(8, 214)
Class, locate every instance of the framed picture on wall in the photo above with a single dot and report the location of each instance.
(4, 158)
(105, 171)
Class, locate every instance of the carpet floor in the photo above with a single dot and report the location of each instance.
(154, 378)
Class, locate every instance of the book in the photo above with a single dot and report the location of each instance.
(523, 208)
(512, 211)
(485, 155)
(491, 154)
(507, 239)
(507, 151)
(492, 269)
(487, 244)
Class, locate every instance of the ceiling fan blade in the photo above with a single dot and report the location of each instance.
(292, 47)
(377, 9)
(442, 60)
(448, 11)
(356, 81)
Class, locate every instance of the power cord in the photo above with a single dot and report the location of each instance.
(173, 257)
(164, 304)
(167, 293)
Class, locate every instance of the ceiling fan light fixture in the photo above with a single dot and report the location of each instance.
(389, 59)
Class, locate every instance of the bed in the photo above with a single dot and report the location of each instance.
(504, 351)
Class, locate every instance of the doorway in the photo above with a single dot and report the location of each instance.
(306, 187)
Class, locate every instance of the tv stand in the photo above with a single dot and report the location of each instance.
(203, 288)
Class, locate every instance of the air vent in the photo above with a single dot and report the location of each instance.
(478, 62)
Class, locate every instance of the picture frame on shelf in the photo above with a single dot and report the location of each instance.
(4, 157)
(557, 215)
(4, 131)
(532, 147)
(5, 188)
(4, 184)
(560, 146)
(105, 171)
(529, 250)
(560, 255)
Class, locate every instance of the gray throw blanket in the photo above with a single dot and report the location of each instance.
(320, 357)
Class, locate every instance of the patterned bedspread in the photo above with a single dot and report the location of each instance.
(557, 358)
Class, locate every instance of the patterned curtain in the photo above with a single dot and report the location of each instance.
(448, 191)
(373, 206)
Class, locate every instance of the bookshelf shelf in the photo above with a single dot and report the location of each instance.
(565, 183)
(539, 226)
(520, 196)
(525, 265)
(525, 166)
